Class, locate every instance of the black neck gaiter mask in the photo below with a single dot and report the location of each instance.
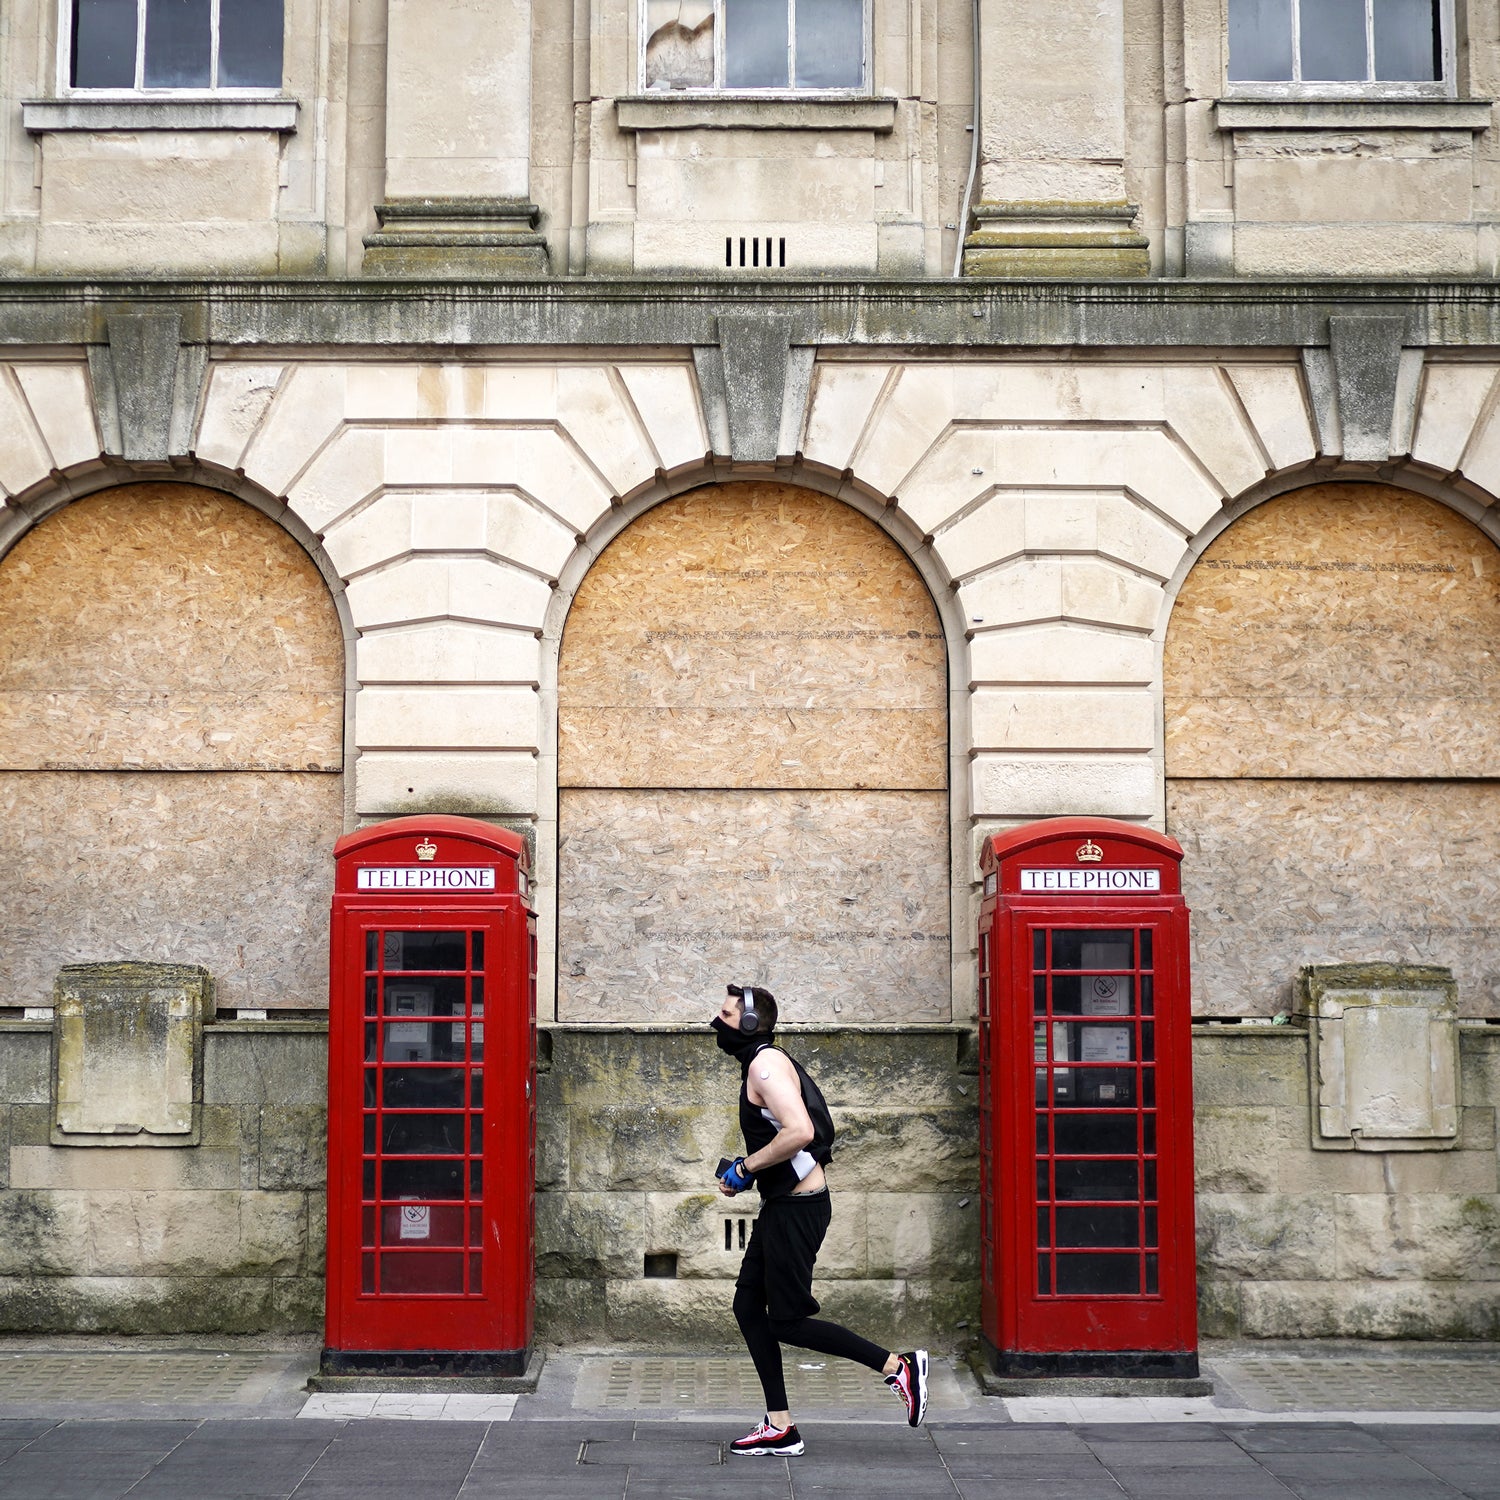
(736, 1044)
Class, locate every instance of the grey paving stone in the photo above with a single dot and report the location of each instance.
(1195, 1484)
(1305, 1437)
(1224, 1456)
(1149, 1432)
(1018, 1439)
(123, 1437)
(659, 1487)
(591, 1484)
(1346, 1468)
(690, 1455)
(1039, 1489)
(1396, 1489)
(1020, 1466)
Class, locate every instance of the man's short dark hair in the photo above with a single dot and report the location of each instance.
(765, 1002)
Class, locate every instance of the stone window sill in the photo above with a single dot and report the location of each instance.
(1352, 114)
(750, 112)
(45, 116)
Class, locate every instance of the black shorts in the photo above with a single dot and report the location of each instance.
(778, 1263)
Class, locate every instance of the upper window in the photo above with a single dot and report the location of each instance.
(174, 44)
(1332, 42)
(753, 44)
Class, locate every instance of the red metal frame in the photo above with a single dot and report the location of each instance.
(1085, 1154)
(432, 1096)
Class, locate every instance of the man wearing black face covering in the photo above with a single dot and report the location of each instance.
(773, 1300)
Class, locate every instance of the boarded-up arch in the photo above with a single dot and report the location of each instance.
(752, 765)
(171, 730)
(1332, 686)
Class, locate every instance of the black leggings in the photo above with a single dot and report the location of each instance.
(764, 1337)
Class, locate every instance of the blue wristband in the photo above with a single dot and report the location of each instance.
(738, 1177)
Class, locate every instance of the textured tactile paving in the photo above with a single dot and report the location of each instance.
(1312, 1383)
(186, 1377)
(713, 1384)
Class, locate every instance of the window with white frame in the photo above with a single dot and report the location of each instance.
(173, 44)
(742, 45)
(1341, 45)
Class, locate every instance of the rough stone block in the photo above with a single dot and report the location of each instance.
(1370, 1310)
(108, 1168)
(934, 1151)
(692, 1225)
(1479, 1060)
(1250, 1069)
(143, 1305)
(570, 1313)
(272, 1234)
(293, 1146)
(283, 1067)
(1466, 1172)
(1420, 1237)
(1235, 1149)
(923, 1235)
(1300, 1169)
(583, 1235)
(1476, 1129)
(25, 1064)
(1264, 1236)
(647, 1147)
(43, 1234)
(1218, 1308)
(661, 1314)
(552, 1131)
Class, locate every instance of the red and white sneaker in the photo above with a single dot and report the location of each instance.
(910, 1384)
(780, 1442)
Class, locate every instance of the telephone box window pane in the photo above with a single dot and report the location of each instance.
(424, 1088)
(413, 1272)
(1151, 1280)
(1148, 996)
(369, 1135)
(250, 44)
(1067, 995)
(1151, 1239)
(476, 1179)
(476, 950)
(1148, 1137)
(1108, 1180)
(1333, 41)
(179, 44)
(422, 1179)
(371, 1087)
(756, 44)
(1041, 1134)
(1113, 1088)
(372, 1041)
(367, 1277)
(1043, 1188)
(1148, 1088)
(424, 1041)
(476, 1267)
(1145, 939)
(1150, 1193)
(1098, 1275)
(1108, 949)
(1043, 1228)
(367, 1183)
(406, 951)
(476, 1089)
(830, 44)
(1038, 949)
(1408, 41)
(1044, 1275)
(1098, 1228)
(367, 1228)
(476, 1134)
(422, 1135)
(407, 1226)
(1148, 1042)
(476, 1225)
(1080, 1134)
(1094, 1042)
(372, 951)
(104, 44)
(1260, 40)
(372, 996)
(1039, 995)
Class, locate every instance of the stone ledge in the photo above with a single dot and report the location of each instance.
(1352, 114)
(751, 112)
(46, 116)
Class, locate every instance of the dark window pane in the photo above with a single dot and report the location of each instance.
(1114, 1088)
(476, 953)
(367, 1227)
(1080, 1134)
(424, 950)
(413, 1135)
(372, 1035)
(1148, 996)
(1150, 1193)
(372, 995)
(1041, 1133)
(372, 949)
(476, 1179)
(1039, 949)
(409, 1225)
(1098, 1227)
(104, 44)
(369, 1135)
(756, 44)
(178, 44)
(370, 1098)
(1042, 1193)
(1148, 1042)
(1099, 1041)
(1148, 1088)
(476, 1225)
(424, 1088)
(250, 44)
(367, 1180)
(1151, 1227)
(415, 1271)
(1408, 41)
(421, 1179)
(1151, 1286)
(1039, 995)
(1333, 41)
(425, 1041)
(1043, 1228)
(830, 44)
(1148, 1131)
(476, 1089)
(1067, 995)
(476, 1134)
(1102, 949)
(1098, 1275)
(1146, 961)
(1260, 40)
(1097, 1179)
(476, 1281)
(367, 1277)
(1044, 1275)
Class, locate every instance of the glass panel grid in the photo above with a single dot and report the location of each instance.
(1094, 1065)
(423, 1135)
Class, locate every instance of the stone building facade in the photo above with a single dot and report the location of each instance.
(755, 487)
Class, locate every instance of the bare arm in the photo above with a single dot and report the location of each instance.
(774, 1080)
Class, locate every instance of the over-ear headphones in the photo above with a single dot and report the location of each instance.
(749, 1016)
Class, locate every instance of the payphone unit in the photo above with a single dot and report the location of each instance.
(1086, 1159)
(431, 1101)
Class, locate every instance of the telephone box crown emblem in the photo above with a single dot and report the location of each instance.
(1089, 853)
(426, 850)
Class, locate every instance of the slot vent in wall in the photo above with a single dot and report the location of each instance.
(764, 251)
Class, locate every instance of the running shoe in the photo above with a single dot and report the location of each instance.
(780, 1442)
(910, 1384)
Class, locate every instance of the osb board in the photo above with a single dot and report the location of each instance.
(1282, 873)
(753, 635)
(1345, 630)
(230, 870)
(838, 901)
(161, 626)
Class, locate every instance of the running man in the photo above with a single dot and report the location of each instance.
(773, 1300)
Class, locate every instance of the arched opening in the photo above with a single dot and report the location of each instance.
(752, 767)
(171, 745)
(1332, 700)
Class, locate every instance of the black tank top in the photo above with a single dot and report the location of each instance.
(760, 1127)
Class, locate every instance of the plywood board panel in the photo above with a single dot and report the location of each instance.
(1346, 631)
(753, 635)
(229, 870)
(837, 901)
(1281, 873)
(161, 626)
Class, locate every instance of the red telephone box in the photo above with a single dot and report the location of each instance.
(1086, 1124)
(431, 1101)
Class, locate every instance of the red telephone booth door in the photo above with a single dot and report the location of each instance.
(431, 1130)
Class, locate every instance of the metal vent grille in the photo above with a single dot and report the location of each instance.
(763, 251)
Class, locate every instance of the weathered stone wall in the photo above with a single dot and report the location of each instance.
(222, 1237)
(1297, 1243)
